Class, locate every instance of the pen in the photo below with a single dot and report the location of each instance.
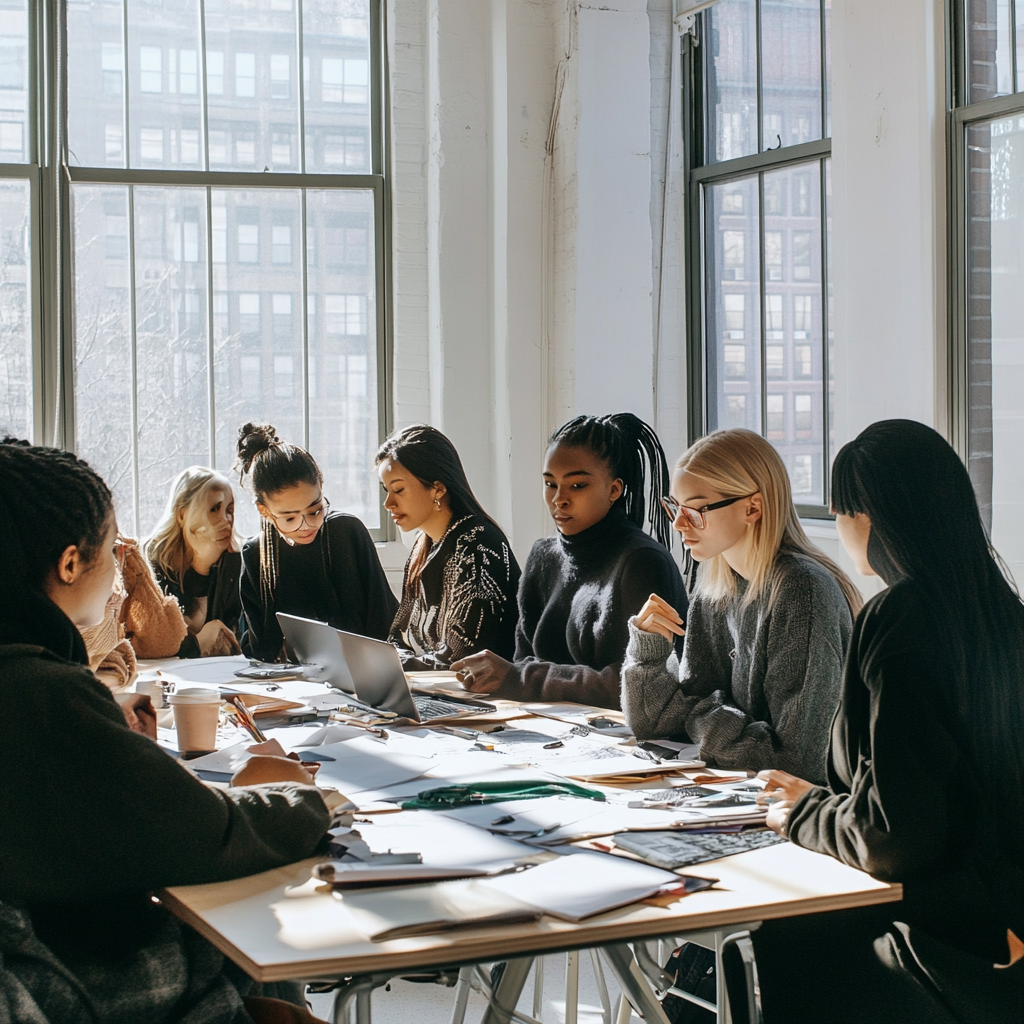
(246, 719)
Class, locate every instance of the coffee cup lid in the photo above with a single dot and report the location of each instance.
(195, 695)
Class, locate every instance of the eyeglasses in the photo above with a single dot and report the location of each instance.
(695, 516)
(293, 523)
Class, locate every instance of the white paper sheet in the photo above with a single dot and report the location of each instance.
(582, 883)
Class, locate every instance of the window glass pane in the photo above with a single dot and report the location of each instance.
(790, 72)
(96, 86)
(251, 60)
(793, 322)
(989, 66)
(171, 340)
(164, 96)
(995, 247)
(733, 305)
(731, 80)
(103, 342)
(15, 311)
(14, 119)
(336, 80)
(258, 352)
(342, 319)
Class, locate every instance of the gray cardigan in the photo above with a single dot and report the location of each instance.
(758, 686)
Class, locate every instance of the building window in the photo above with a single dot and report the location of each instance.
(987, 253)
(758, 156)
(196, 301)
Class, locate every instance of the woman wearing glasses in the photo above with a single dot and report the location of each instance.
(768, 627)
(195, 554)
(603, 478)
(307, 560)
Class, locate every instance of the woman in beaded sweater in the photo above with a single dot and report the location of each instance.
(603, 478)
(459, 590)
(768, 627)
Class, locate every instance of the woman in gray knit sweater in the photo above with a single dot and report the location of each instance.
(768, 625)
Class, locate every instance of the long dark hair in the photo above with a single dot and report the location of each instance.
(634, 455)
(426, 453)
(49, 501)
(926, 528)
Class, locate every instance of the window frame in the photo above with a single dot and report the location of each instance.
(961, 116)
(698, 176)
(51, 177)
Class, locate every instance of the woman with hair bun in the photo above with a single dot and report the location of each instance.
(603, 479)
(769, 623)
(459, 590)
(307, 560)
(195, 554)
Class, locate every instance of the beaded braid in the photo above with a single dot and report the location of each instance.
(634, 455)
(70, 504)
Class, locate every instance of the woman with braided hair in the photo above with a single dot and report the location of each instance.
(80, 937)
(604, 477)
(307, 560)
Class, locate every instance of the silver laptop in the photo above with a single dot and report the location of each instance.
(371, 669)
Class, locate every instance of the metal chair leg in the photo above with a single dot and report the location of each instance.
(602, 988)
(462, 989)
(506, 994)
(538, 987)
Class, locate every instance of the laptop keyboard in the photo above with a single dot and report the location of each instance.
(435, 707)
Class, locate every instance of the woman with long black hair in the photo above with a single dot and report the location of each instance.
(459, 589)
(926, 763)
(307, 560)
(604, 478)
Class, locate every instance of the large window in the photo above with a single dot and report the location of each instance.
(218, 234)
(758, 150)
(987, 369)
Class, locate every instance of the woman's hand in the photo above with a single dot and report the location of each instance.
(483, 672)
(206, 548)
(783, 790)
(658, 616)
(139, 713)
(216, 640)
(262, 768)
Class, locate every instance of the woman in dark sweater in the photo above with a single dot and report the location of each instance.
(580, 588)
(326, 568)
(80, 938)
(459, 591)
(926, 763)
(195, 555)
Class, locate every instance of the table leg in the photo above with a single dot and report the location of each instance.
(538, 987)
(602, 988)
(634, 986)
(572, 986)
(507, 992)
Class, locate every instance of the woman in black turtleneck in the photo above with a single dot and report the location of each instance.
(580, 587)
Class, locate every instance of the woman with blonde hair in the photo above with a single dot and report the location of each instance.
(768, 625)
(196, 556)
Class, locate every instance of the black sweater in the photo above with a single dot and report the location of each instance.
(902, 801)
(337, 579)
(220, 588)
(575, 601)
(464, 600)
(95, 816)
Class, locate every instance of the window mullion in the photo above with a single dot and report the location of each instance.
(137, 510)
(825, 397)
(301, 79)
(760, 88)
(305, 317)
(762, 337)
(204, 110)
(211, 340)
(126, 124)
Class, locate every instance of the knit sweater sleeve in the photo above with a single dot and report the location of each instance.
(139, 819)
(806, 640)
(153, 621)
